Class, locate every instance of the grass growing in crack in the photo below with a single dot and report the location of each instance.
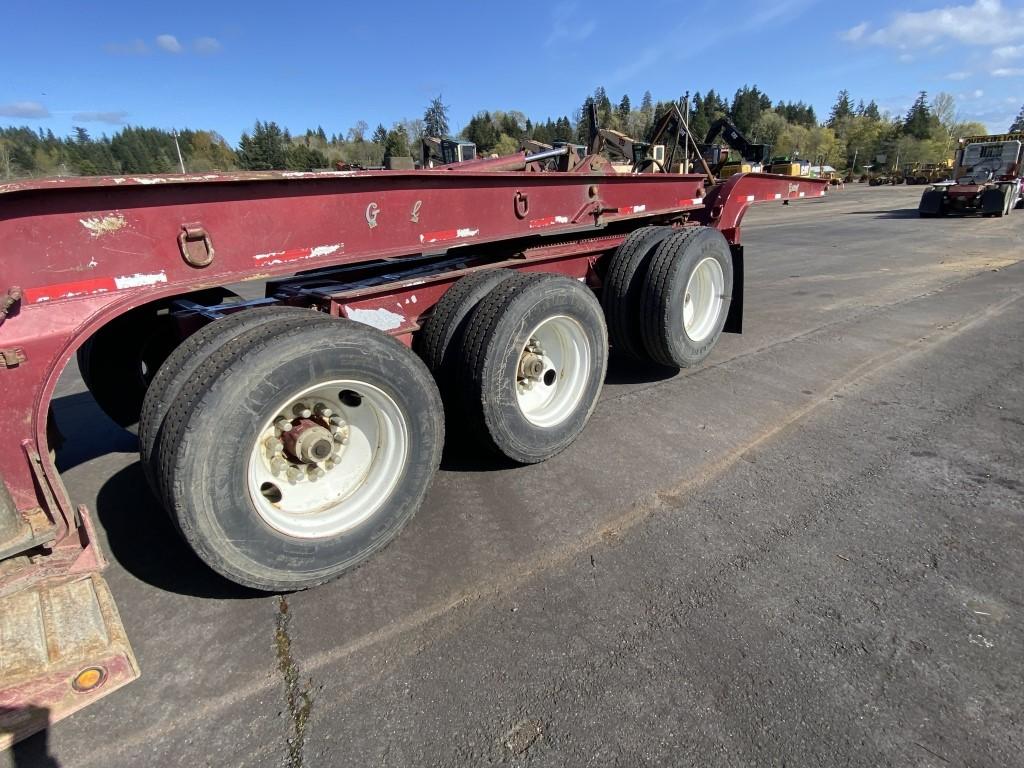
(297, 696)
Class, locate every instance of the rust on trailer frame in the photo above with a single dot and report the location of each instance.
(79, 252)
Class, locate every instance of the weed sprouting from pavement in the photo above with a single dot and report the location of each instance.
(297, 696)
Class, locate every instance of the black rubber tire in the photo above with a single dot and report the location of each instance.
(183, 362)
(119, 361)
(203, 476)
(498, 330)
(440, 339)
(993, 202)
(661, 312)
(623, 289)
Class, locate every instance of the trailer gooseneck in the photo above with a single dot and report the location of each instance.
(292, 437)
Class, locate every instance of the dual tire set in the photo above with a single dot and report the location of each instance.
(288, 447)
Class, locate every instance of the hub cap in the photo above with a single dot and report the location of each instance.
(327, 459)
(702, 301)
(551, 376)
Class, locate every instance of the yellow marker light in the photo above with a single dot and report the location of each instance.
(88, 679)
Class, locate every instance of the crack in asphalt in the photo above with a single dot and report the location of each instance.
(297, 696)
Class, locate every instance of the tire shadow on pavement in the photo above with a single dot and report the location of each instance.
(144, 541)
(896, 213)
(623, 369)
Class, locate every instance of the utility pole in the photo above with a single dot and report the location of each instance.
(686, 127)
(181, 161)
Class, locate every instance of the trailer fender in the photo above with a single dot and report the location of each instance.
(932, 203)
(734, 320)
(993, 201)
(726, 204)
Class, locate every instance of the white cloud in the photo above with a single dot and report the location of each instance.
(168, 43)
(854, 34)
(566, 26)
(1008, 52)
(1007, 72)
(646, 59)
(31, 110)
(958, 75)
(206, 45)
(111, 118)
(986, 22)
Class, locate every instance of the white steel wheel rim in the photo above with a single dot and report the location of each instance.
(702, 300)
(560, 352)
(322, 497)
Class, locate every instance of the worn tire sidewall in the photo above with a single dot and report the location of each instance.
(185, 360)
(216, 504)
(706, 243)
(520, 439)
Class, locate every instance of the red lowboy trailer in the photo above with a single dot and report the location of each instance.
(291, 437)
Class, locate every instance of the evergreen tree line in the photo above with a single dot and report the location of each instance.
(851, 134)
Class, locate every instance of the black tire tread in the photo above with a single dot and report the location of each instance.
(227, 361)
(434, 341)
(474, 350)
(182, 363)
(620, 293)
(182, 406)
(653, 322)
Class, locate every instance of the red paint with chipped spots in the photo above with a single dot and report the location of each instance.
(75, 277)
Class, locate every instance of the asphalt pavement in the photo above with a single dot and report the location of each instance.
(806, 552)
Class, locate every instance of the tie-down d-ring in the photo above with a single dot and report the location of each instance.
(522, 204)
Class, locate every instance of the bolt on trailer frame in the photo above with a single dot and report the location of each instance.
(377, 247)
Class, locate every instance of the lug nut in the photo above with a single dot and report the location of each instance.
(277, 466)
(283, 424)
(337, 420)
(323, 411)
(315, 473)
(300, 410)
(330, 463)
(293, 474)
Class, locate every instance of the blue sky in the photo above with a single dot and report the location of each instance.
(224, 65)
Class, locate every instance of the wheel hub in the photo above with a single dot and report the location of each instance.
(327, 458)
(532, 363)
(308, 442)
(552, 371)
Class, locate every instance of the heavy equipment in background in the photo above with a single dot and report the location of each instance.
(926, 173)
(885, 176)
(635, 156)
(436, 151)
(986, 179)
(292, 437)
(753, 157)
